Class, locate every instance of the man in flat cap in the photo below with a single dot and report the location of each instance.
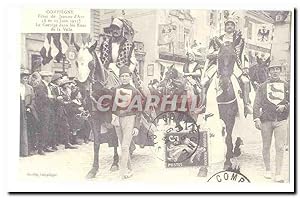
(271, 111)
(46, 80)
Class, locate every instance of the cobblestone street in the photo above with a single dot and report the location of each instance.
(75, 164)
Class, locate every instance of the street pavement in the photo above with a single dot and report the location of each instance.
(75, 164)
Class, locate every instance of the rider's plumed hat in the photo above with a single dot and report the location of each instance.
(231, 19)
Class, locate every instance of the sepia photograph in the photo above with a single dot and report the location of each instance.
(156, 96)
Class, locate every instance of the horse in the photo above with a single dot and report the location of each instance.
(258, 73)
(224, 87)
(91, 81)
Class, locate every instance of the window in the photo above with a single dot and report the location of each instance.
(150, 70)
(186, 36)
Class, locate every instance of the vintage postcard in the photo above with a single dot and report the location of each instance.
(160, 99)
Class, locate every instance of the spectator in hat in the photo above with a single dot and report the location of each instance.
(28, 115)
(46, 80)
(271, 111)
(57, 108)
(80, 123)
(42, 104)
(65, 117)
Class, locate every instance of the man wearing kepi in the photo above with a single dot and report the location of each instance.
(270, 113)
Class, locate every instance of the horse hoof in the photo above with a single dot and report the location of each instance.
(114, 168)
(92, 173)
(227, 166)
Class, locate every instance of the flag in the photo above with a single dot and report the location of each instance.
(72, 42)
(55, 46)
(64, 44)
(167, 34)
(264, 33)
(46, 50)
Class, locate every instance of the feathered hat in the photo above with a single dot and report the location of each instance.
(230, 17)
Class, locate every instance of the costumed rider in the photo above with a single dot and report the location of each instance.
(117, 50)
(234, 37)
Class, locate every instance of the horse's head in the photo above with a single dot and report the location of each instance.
(226, 59)
(261, 62)
(84, 59)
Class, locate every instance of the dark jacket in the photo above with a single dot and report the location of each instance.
(42, 101)
(270, 94)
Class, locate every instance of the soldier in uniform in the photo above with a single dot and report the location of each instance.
(271, 111)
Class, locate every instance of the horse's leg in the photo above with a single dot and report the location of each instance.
(92, 173)
(228, 116)
(117, 138)
(115, 164)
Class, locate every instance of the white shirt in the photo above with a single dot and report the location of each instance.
(115, 51)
